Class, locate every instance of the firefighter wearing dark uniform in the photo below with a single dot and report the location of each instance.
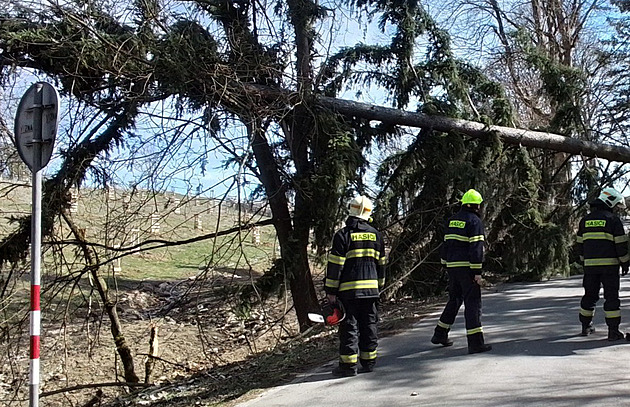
(354, 276)
(462, 254)
(602, 245)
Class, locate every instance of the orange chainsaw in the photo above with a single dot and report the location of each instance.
(330, 314)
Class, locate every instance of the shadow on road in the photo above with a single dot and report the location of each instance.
(538, 359)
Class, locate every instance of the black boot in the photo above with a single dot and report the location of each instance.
(613, 329)
(345, 370)
(366, 366)
(440, 337)
(587, 329)
(587, 325)
(476, 343)
(614, 334)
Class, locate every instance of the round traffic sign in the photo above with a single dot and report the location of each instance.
(36, 125)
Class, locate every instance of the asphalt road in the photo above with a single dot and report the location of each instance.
(538, 359)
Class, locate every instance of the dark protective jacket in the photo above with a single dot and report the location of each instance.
(356, 263)
(463, 242)
(602, 243)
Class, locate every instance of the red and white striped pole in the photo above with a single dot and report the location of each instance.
(36, 124)
(34, 347)
(36, 243)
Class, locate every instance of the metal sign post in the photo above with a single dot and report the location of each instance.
(35, 132)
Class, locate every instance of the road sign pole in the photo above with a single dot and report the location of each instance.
(36, 124)
(36, 218)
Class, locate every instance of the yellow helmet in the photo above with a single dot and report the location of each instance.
(361, 207)
(472, 197)
(611, 197)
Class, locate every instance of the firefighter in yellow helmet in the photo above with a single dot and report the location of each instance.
(462, 254)
(354, 276)
(602, 245)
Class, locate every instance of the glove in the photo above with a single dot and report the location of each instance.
(624, 269)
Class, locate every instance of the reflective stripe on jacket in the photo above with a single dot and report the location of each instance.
(463, 242)
(602, 243)
(356, 263)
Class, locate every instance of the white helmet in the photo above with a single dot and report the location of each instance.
(361, 207)
(611, 197)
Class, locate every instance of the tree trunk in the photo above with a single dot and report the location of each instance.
(510, 135)
(293, 245)
(124, 352)
(298, 128)
(528, 138)
(302, 287)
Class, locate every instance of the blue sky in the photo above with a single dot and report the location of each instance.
(198, 163)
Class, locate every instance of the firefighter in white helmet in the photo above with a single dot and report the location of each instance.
(602, 245)
(354, 276)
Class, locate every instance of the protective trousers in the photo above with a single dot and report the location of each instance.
(358, 328)
(463, 289)
(592, 282)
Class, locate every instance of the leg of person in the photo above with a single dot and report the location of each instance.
(368, 335)
(612, 305)
(455, 300)
(591, 283)
(348, 340)
(472, 312)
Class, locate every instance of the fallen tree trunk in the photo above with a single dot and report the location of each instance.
(509, 135)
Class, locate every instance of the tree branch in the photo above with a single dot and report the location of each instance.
(92, 386)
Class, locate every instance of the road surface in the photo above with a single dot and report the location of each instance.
(538, 359)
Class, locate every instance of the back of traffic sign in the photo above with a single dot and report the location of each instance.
(36, 124)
